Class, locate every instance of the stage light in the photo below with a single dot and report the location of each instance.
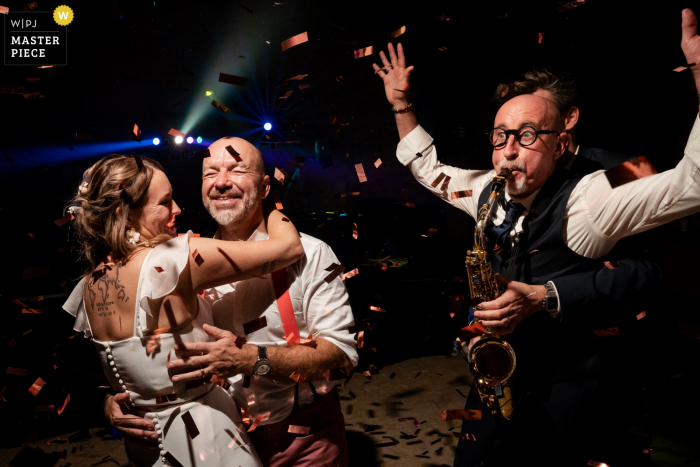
(267, 126)
(199, 140)
(178, 139)
(208, 93)
(190, 140)
(156, 141)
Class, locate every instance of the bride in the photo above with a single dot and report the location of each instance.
(139, 297)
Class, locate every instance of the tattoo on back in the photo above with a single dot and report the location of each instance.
(103, 304)
(268, 267)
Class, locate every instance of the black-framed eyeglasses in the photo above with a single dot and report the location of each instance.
(525, 136)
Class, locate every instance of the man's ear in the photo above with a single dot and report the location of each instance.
(265, 187)
(562, 145)
(571, 118)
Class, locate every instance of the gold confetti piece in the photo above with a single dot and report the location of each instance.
(378, 162)
(233, 153)
(135, 133)
(461, 194)
(377, 308)
(445, 183)
(438, 180)
(320, 225)
(354, 193)
(286, 94)
(16, 371)
(360, 172)
(281, 175)
(299, 430)
(641, 315)
(174, 132)
(350, 274)
(63, 220)
(406, 203)
(359, 53)
(190, 425)
(460, 414)
(197, 258)
(232, 79)
(435, 442)
(337, 270)
(159, 269)
(464, 436)
(4, 10)
(430, 233)
(398, 32)
(36, 387)
(33, 95)
(571, 5)
(296, 40)
(304, 86)
(352, 394)
(65, 403)
(607, 332)
(278, 201)
(219, 106)
(255, 325)
(27, 332)
(259, 418)
(354, 231)
(540, 37)
(611, 264)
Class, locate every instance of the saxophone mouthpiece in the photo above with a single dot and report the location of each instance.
(505, 172)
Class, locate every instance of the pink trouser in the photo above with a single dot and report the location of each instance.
(325, 445)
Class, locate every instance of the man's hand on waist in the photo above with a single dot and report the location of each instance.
(139, 430)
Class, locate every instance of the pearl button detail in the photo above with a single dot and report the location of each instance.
(162, 453)
(115, 370)
(121, 382)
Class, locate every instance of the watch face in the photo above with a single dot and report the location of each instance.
(262, 367)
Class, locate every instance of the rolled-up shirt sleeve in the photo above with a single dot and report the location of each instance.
(418, 153)
(326, 305)
(598, 214)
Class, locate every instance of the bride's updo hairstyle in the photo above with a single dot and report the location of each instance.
(110, 188)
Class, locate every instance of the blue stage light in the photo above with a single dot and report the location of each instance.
(156, 141)
(190, 140)
(267, 126)
(199, 140)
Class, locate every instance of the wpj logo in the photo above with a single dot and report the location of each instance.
(37, 38)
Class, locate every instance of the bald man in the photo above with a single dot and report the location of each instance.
(549, 223)
(284, 388)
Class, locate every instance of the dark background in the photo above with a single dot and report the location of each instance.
(150, 64)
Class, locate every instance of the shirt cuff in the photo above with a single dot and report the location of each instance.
(413, 145)
(558, 299)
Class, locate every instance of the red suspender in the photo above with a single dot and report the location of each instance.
(284, 303)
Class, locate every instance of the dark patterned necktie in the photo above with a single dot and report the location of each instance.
(499, 233)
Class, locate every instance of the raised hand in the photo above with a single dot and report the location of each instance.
(690, 43)
(395, 76)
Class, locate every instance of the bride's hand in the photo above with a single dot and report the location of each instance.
(395, 76)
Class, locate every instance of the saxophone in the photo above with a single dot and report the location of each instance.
(491, 359)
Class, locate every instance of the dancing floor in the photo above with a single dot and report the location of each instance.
(417, 388)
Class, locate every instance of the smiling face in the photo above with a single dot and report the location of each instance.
(532, 165)
(157, 215)
(232, 190)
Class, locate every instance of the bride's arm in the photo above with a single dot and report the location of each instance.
(218, 262)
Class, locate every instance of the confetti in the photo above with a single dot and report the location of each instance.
(641, 315)
(4, 10)
(377, 163)
(159, 269)
(430, 233)
(281, 175)
(360, 339)
(232, 79)
(445, 183)
(352, 394)
(540, 37)
(191, 426)
(569, 6)
(170, 458)
(286, 94)
(611, 264)
(398, 32)
(377, 308)
(278, 201)
(443, 17)
(304, 86)
(350, 274)
(36, 387)
(435, 442)
(352, 372)
(438, 180)
(63, 220)
(16, 371)
(336, 270)
(360, 172)
(359, 53)
(257, 421)
(606, 332)
(460, 414)
(197, 258)
(233, 153)
(461, 194)
(294, 78)
(464, 436)
(219, 106)
(296, 40)
(202, 154)
(255, 325)
(63, 406)
(174, 132)
(135, 133)
(33, 95)
(299, 430)
(354, 231)
(384, 445)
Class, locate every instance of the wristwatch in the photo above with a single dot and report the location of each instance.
(550, 302)
(262, 365)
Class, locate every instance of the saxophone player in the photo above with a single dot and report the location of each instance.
(552, 223)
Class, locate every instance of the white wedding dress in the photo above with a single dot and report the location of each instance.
(197, 424)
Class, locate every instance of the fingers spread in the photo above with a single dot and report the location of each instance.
(386, 63)
(191, 376)
(195, 346)
(392, 55)
(689, 24)
(185, 363)
(401, 59)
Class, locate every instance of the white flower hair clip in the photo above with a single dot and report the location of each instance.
(83, 188)
(72, 210)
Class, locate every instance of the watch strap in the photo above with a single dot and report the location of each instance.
(262, 352)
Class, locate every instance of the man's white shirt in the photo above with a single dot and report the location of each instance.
(597, 216)
(321, 309)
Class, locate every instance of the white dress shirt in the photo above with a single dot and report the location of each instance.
(597, 215)
(320, 308)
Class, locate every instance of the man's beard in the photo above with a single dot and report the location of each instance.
(518, 187)
(226, 216)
